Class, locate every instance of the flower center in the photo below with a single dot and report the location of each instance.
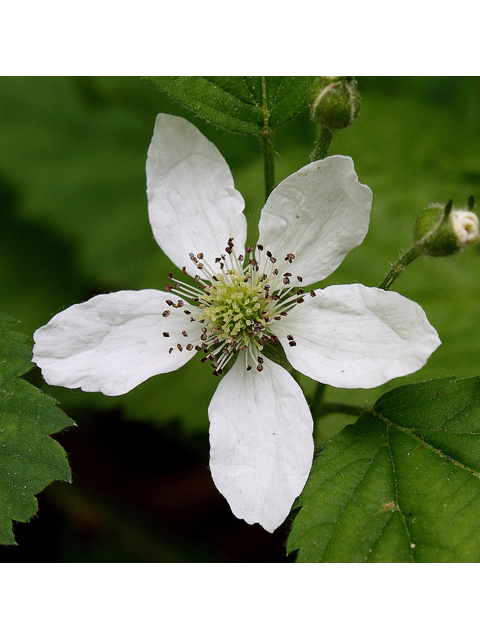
(238, 304)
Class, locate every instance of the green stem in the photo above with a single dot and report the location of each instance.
(338, 407)
(267, 138)
(320, 408)
(399, 267)
(323, 142)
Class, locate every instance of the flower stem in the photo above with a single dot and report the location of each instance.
(267, 138)
(338, 407)
(399, 267)
(323, 142)
(320, 408)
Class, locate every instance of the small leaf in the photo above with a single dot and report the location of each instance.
(245, 104)
(401, 485)
(29, 459)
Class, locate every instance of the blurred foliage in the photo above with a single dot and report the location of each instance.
(74, 214)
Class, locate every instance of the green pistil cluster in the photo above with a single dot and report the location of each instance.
(233, 308)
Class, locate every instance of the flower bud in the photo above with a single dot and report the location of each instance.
(335, 101)
(441, 230)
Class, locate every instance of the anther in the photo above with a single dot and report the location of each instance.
(186, 311)
(200, 256)
(249, 367)
(312, 293)
(299, 278)
(300, 292)
(184, 333)
(292, 343)
(260, 247)
(260, 360)
(166, 313)
(189, 347)
(166, 334)
(286, 281)
(289, 257)
(273, 260)
(179, 347)
(250, 248)
(300, 300)
(259, 367)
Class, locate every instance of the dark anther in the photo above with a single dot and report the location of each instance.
(300, 300)
(292, 343)
(313, 294)
(179, 347)
(166, 313)
(289, 257)
(260, 247)
(299, 278)
(166, 334)
(184, 333)
(259, 367)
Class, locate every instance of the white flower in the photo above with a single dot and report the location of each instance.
(345, 336)
(465, 226)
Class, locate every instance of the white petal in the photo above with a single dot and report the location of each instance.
(114, 342)
(261, 442)
(192, 202)
(352, 336)
(319, 214)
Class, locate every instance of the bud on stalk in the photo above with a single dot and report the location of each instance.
(335, 101)
(441, 230)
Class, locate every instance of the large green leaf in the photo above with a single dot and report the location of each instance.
(401, 485)
(29, 458)
(245, 104)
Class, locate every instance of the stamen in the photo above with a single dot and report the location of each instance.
(237, 304)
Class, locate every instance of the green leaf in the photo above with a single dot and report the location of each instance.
(401, 485)
(29, 458)
(245, 104)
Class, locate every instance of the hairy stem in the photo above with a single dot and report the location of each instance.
(323, 142)
(267, 139)
(399, 267)
(268, 150)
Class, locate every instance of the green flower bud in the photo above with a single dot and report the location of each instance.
(441, 230)
(335, 101)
